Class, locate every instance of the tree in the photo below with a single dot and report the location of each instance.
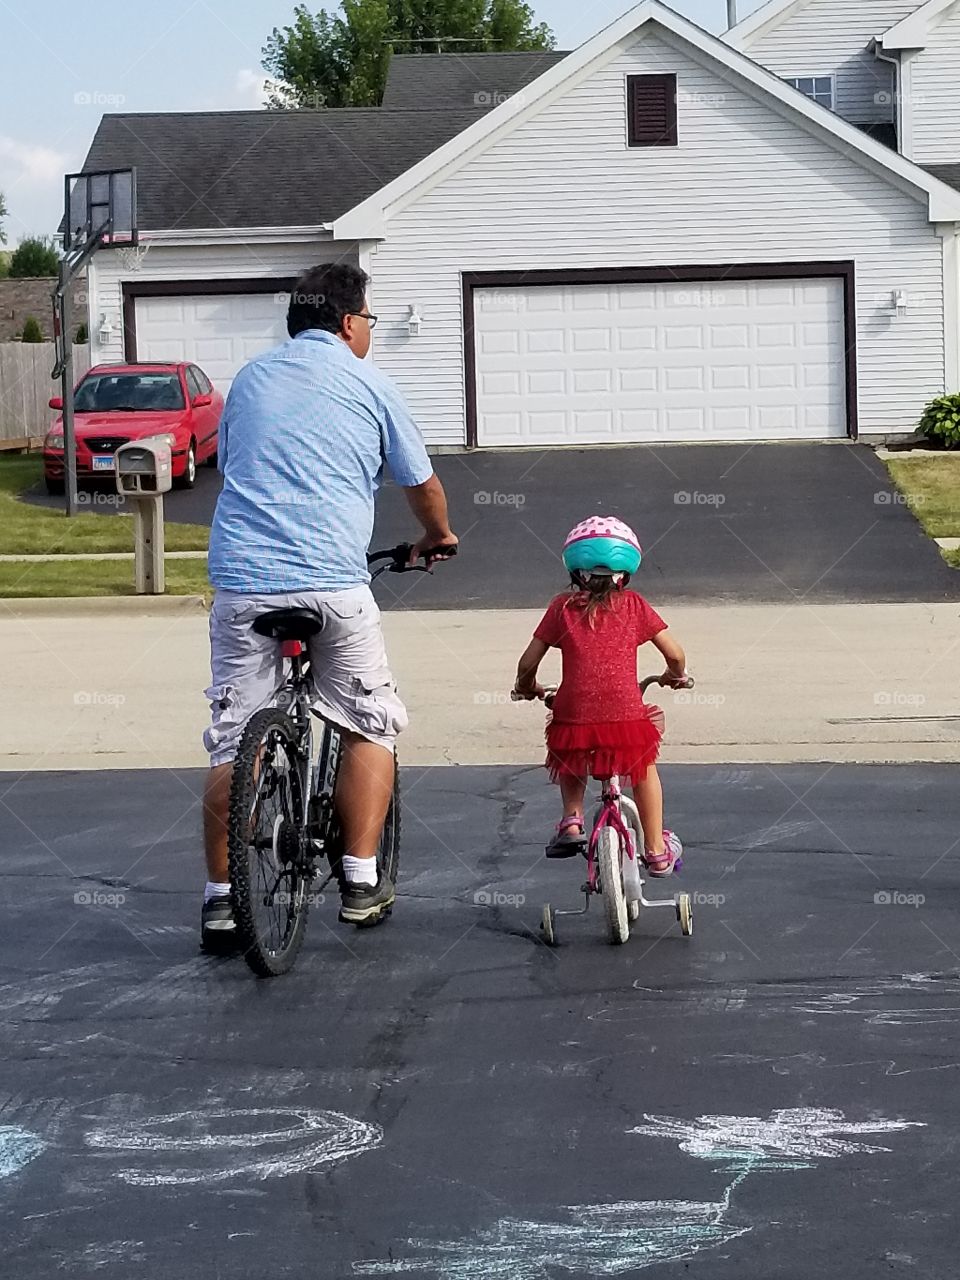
(34, 256)
(341, 61)
(31, 331)
(3, 214)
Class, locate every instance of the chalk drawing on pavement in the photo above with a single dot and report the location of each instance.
(612, 1239)
(792, 1138)
(218, 1145)
(17, 1148)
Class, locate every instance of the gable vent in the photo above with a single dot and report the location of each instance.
(652, 111)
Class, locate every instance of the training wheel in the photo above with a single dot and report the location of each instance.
(548, 924)
(633, 910)
(685, 914)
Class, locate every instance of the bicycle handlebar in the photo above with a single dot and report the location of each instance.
(550, 692)
(399, 557)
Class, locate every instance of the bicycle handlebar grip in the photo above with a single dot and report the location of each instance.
(440, 553)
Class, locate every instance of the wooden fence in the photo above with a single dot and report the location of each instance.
(26, 387)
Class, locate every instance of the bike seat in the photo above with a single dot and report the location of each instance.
(288, 624)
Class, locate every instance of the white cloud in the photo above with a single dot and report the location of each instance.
(250, 87)
(22, 162)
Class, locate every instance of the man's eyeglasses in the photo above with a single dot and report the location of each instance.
(365, 315)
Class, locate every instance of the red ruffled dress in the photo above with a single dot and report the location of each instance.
(600, 724)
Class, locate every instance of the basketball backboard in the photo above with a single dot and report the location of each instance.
(104, 202)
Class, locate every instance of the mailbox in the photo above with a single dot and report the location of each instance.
(144, 473)
(144, 468)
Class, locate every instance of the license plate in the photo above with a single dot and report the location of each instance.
(103, 462)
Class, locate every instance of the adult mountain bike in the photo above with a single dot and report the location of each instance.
(282, 822)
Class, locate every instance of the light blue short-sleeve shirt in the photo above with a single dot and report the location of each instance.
(305, 432)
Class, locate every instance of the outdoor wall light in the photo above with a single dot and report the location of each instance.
(414, 320)
(900, 301)
(106, 330)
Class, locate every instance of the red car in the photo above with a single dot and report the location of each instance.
(114, 403)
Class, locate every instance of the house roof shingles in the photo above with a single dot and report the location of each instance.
(224, 169)
(462, 81)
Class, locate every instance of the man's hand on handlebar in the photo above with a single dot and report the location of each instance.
(431, 548)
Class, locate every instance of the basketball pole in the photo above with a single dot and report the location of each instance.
(66, 389)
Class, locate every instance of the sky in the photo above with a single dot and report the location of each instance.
(63, 65)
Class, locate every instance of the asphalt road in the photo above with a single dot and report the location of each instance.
(767, 523)
(447, 1097)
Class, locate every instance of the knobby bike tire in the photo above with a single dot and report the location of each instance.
(611, 885)
(266, 959)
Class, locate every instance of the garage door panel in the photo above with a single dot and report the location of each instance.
(571, 364)
(220, 333)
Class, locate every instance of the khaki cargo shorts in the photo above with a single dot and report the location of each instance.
(348, 661)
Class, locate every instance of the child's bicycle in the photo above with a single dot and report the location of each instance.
(615, 843)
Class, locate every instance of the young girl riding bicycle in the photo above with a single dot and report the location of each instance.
(601, 725)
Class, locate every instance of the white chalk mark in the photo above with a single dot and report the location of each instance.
(793, 1138)
(595, 1240)
(17, 1148)
(237, 1142)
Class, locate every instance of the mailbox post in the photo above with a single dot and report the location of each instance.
(144, 474)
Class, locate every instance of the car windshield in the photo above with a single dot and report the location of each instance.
(138, 392)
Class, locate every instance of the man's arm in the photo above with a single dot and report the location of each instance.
(428, 502)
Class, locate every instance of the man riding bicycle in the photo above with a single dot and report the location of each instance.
(306, 430)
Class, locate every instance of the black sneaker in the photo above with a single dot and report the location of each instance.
(365, 904)
(218, 929)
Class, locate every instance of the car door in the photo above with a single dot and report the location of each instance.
(205, 418)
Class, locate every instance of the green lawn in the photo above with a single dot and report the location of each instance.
(30, 530)
(95, 578)
(931, 484)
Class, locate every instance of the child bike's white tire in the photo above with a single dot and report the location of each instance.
(548, 925)
(633, 911)
(611, 885)
(685, 914)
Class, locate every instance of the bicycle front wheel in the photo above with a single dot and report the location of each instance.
(269, 876)
(611, 885)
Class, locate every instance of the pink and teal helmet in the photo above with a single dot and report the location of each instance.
(602, 544)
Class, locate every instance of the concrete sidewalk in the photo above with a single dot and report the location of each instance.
(850, 683)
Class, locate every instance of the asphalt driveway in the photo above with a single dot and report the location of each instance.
(763, 523)
(445, 1097)
(768, 523)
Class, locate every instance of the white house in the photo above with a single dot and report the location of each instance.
(653, 238)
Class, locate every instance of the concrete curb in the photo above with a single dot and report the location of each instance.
(948, 544)
(100, 606)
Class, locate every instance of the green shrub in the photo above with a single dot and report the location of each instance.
(941, 421)
(81, 336)
(34, 256)
(31, 331)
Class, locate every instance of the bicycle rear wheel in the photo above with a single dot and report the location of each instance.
(611, 885)
(269, 875)
(388, 854)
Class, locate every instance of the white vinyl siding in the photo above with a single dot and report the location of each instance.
(746, 184)
(110, 268)
(935, 92)
(831, 37)
(597, 364)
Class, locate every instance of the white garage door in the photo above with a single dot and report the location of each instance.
(739, 360)
(218, 332)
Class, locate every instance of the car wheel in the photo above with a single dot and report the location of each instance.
(53, 486)
(189, 477)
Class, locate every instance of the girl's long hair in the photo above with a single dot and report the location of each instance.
(594, 592)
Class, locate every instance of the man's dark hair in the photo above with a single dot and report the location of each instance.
(324, 295)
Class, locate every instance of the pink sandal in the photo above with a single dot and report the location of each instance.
(664, 864)
(567, 844)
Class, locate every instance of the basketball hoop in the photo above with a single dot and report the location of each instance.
(131, 256)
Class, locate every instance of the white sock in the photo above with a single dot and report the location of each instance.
(215, 889)
(359, 870)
